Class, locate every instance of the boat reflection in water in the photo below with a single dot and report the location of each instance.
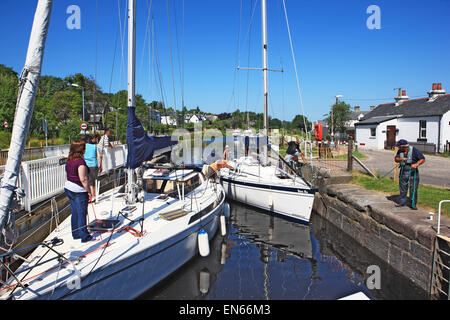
(261, 257)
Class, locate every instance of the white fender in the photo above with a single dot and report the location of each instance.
(203, 243)
(204, 281)
(223, 225)
(223, 256)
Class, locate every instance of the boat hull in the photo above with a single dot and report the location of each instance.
(294, 203)
(129, 278)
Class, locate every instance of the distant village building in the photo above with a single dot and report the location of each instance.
(155, 115)
(424, 123)
(169, 118)
(194, 118)
(94, 113)
(354, 118)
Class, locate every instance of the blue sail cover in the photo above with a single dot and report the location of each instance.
(140, 146)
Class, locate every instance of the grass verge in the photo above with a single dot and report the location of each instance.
(429, 196)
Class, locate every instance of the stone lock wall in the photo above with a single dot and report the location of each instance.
(399, 236)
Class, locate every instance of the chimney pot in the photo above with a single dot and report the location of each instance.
(439, 86)
(434, 86)
(372, 107)
(399, 92)
(404, 93)
(357, 108)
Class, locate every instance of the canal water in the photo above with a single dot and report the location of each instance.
(264, 257)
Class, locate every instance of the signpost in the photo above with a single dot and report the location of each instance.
(84, 127)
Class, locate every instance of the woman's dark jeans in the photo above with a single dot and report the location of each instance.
(79, 204)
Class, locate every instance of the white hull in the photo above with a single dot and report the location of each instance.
(139, 273)
(289, 199)
(129, 265)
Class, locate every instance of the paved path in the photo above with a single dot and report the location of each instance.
(435, 170)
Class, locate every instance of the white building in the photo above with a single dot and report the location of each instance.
(170, 118)
(424, 123)
(194, 118)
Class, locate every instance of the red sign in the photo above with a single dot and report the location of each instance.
(84, 126)
(5, 124)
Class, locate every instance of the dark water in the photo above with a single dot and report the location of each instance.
(266, 257)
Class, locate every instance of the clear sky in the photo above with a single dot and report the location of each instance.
(335, 51)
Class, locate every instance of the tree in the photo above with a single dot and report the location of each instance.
(341, 114)
(299, 123)
(8, 93)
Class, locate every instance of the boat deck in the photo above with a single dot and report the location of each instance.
(45, 270)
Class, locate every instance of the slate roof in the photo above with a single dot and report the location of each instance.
(409, 109)
(377, 120)
(355, 114)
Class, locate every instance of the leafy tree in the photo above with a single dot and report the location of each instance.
(8, 94)
(299, 123)
(341, 114)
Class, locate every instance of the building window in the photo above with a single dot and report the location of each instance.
(422, 129)
(373, 132)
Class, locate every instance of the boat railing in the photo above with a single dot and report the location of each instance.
(45, 178)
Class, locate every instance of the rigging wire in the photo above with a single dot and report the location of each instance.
(180, 67)
(147, 27)
(295, 68)
(171, 57)
(233, 96)
(248, 64)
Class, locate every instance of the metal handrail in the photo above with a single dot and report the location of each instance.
(439, 215)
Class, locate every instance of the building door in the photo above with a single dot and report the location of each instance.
(390, 137)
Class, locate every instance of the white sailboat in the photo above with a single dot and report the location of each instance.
(257, 182)
(142, 233)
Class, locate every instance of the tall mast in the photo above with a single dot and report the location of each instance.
(131, 82)
(265, 73)
(29, 82)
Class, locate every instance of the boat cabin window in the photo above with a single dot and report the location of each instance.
(166, 186)
(160, 186)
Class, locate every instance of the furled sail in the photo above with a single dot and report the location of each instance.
(141, 147)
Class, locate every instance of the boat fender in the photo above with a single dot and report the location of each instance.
(223, 225)
(204, 281)
(226, 210)
(223, 256)
(203, 243)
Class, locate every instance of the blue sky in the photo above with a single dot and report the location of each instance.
(335, 51)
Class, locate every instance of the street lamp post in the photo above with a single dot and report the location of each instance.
(332, 117)
(82, 94)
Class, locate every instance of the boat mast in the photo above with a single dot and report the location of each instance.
(131, 83)
(29, 82)
(265, 75)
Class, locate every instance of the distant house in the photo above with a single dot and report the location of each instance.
(194, 118)
(211, 117)
(94, 113)
(170, 118)
(424, 123)
(354, 118)
(155, 115)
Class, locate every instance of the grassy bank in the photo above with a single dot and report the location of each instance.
(429, 196)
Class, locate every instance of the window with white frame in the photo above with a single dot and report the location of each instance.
(422, 129)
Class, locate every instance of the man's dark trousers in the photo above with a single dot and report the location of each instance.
(412, 179)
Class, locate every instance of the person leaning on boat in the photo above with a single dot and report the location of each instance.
(209, 171)
(77, 190)
(292, 153)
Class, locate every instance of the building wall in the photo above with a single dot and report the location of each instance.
(409, 129)
(363, 134)
(445, 130)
